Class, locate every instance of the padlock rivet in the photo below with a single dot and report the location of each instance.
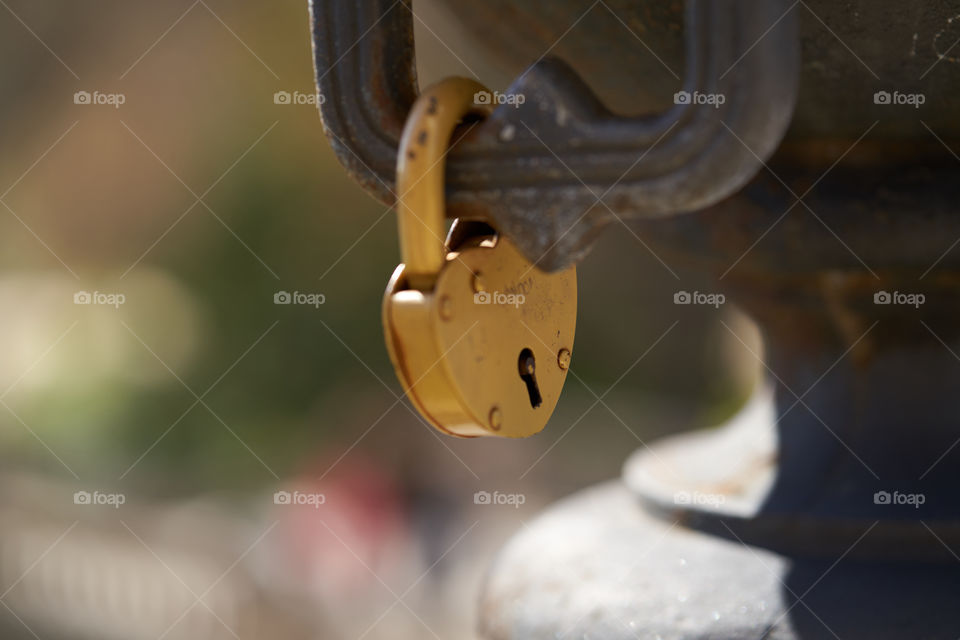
(478, 286)
(496, 419)
(563, 359)
(446, 308)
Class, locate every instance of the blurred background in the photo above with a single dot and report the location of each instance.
(183, 458)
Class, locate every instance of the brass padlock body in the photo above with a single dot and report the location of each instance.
(457, 348)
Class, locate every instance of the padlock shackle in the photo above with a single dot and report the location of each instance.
(421, 164)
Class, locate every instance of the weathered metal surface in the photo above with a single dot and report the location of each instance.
(883, 208)
(551, 172)
(795, 494)
(629, 52)
(731, 483)
(850, 50)
(599, 566)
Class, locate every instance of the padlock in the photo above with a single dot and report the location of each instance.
(481, 339)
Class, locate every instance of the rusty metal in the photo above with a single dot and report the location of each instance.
(552, 171)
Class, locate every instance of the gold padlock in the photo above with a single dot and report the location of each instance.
(480, 338)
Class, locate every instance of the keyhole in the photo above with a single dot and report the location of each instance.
(528, 373)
